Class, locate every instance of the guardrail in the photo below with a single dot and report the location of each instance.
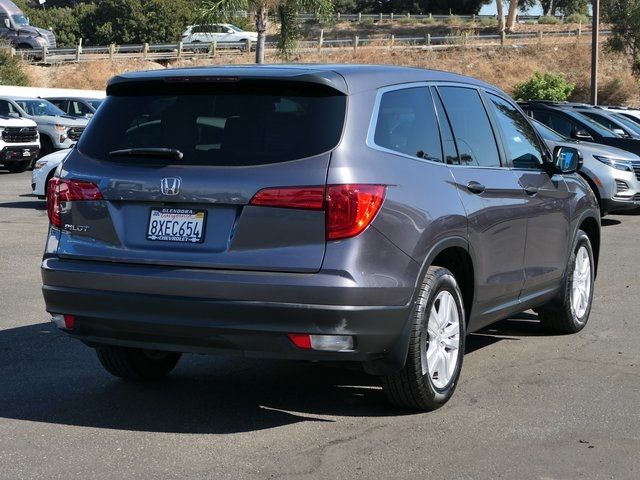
(390, 17)
(167, 52)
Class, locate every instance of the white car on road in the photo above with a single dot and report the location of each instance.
(220, 32)
(44, 170)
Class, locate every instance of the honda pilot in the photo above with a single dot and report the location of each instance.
(366, 214)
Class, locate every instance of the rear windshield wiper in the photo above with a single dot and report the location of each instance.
(171, 153)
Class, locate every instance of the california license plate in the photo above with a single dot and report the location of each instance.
(182, 225)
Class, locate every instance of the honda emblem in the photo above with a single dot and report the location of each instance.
(170, 186)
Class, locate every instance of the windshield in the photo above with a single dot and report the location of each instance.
(237, 29)
(232, 125)
(547, 133)
(20, 20)
(601, 130)
(95, 103)
(38, 108)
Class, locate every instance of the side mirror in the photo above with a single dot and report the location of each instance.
(14, 115)
(7, 23)
(230, 31)
(581, 134)
(567, 159)
(619, 131)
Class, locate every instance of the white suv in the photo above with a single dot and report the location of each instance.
(19, 143)
(220, 32)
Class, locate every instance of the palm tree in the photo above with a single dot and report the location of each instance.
(221, 10)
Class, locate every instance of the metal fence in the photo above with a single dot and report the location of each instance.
(170, 51)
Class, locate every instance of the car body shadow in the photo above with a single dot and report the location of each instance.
(608, 222)
(49, 377)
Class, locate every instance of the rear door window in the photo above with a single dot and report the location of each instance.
(471, 127)
(220, 125)
(406, 123)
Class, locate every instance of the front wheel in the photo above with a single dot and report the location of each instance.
(136, 363)
(570, 311)
(436, 347)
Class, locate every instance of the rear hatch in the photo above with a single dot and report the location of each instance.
(178, 162)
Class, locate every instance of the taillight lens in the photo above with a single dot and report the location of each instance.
(63, 190)
(307, 198)
(352, 208)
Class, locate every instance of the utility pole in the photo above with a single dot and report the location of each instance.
(594, 51)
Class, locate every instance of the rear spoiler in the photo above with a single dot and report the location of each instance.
(147, 81)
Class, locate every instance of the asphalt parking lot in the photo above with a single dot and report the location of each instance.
(529, 405)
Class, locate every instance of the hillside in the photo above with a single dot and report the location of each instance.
(502, 67)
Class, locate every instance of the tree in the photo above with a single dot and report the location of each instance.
(511, 18)
(500, 10)
(567, 7)
(548, 86)
(221, 10)
(624, 16)
(456, 7)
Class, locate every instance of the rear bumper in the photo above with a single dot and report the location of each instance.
(199, 324)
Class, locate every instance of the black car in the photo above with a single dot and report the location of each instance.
(567, 120)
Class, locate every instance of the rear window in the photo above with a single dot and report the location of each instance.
(219, 125)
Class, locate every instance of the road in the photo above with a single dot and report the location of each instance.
(529, 405)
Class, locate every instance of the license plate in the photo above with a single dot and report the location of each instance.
(182, 225)
(26, 153)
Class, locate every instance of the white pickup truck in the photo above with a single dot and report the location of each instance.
(19, 143)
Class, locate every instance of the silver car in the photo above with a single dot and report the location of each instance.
(613, 174)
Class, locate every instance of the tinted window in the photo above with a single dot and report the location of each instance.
(407, 124)
(471, 127)
(606, 122)
(6, 108)
(79, 108)
(555, 122)
(521, 141)
(546, 133)
(219, 125)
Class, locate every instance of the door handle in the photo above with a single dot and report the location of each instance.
(475, 187)
(531, 190)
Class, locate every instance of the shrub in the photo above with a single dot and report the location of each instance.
(577, 18)
(549, 20)
(11, 72)
(548, 86)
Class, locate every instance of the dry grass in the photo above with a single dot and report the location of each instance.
(502, 67)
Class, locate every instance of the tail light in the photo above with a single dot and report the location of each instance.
(350, 208)
(62, 190)
(307, 198)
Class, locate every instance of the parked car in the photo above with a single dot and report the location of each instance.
(630, 113)
(612, 174)
(619, 125)
(15, 29)
(19, 143)
(220, 32)
(572, 124)
(248, 209)
(57, 129)
(77, 107)
(43, 171)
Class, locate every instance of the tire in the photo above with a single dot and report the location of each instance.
(245, 46)
(420, 385)
(46, 146)
(568, 313)
(18, 168)
(136, 363)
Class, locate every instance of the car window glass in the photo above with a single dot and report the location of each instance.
(79, 108)
(448, 142)
(521, 141)
(471, 126)
(5, 108)
(407, 123)
(602, 120)
(555, 122)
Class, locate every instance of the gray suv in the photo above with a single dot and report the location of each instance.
(363, 214)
